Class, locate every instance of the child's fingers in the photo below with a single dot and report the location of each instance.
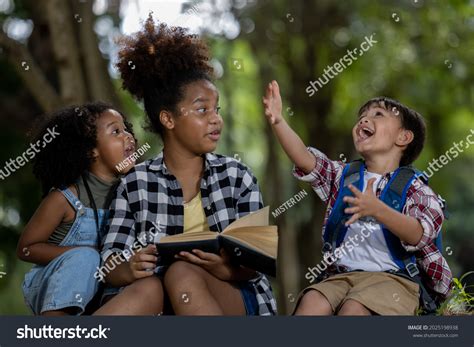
(149, 249)
(142, 266)
(354, 218)
(352, 210)
(354, 190)
(275, 89)
(350, 200)
(268, 91)
(206, 255)
(192, 258)
(145, 257)
(370, 185)
(270, 117)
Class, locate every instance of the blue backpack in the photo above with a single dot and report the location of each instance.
(394, 195)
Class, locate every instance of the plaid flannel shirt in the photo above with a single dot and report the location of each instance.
(149, 198)
(421, 203)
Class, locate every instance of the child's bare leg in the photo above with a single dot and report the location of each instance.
(142, 297)
(194, 291)
(353, 308)
(313, 303)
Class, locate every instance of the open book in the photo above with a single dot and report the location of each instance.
(249, 241)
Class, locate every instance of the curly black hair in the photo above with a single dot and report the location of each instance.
(410, 119)
(61, 162)
(157, 62)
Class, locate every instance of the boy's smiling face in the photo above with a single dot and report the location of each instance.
(379, 133)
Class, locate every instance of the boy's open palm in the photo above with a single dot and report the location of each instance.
(272, 103)
(362, 204)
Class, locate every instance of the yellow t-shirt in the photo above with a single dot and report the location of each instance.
(194, 216)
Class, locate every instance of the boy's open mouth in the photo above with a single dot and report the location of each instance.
(364, 132)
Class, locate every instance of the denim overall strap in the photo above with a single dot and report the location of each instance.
(74, 201)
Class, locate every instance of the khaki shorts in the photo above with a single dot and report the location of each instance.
(380, 292)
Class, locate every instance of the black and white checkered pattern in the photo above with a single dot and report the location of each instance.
(149, 198)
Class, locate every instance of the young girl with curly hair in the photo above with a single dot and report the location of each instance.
(77, 171)
(185, 188)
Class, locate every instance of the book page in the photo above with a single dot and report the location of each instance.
(261, 239)
(187, 237)
(253, 219)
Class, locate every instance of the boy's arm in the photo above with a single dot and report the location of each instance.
(289, 140)
(415, 229)
(406, 228)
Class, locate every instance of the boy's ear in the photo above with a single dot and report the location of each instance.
(166, 118)
(405, 137)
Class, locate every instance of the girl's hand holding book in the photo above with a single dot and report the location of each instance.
(217, 265)
(143, 263)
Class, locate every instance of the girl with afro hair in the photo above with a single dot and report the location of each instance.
(185, 188)
(77, 171)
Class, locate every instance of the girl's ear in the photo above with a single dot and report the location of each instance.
(405, 137)
(166, 118)
(95, 153)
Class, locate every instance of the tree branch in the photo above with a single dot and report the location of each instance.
(65, 49)
(30, 73)
(95, 66)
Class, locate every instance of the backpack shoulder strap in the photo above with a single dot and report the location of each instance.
(394, 195)
(335, 230)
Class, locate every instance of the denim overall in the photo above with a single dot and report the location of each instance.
(68, 280)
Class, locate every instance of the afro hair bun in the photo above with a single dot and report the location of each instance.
(159, 56)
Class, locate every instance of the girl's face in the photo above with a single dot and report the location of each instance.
(114, 145)
(198, 125)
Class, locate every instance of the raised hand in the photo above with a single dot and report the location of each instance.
(272, 103)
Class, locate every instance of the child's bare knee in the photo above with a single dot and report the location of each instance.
(353, 308)
(148, 287)
(313, 303)
(180, 270)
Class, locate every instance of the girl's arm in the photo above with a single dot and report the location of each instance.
(289, 140)
(142, 264)
(33, 246)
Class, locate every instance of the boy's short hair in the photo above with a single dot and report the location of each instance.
(410, 119)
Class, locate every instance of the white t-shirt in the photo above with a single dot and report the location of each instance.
(364, 245)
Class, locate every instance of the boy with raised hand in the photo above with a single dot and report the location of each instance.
(368, 278)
